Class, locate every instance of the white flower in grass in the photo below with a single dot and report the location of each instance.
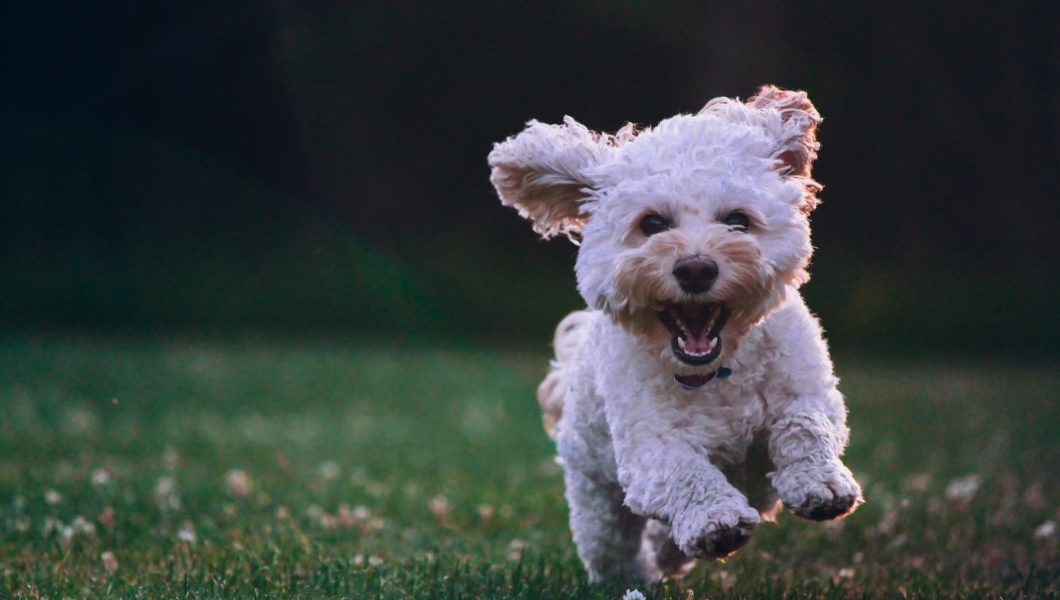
(329, 471)
(83, 526)
(52, 497)
(106, 517)
(186, 533)
(375, 560)
(963, 489)
(1045, 531)
(439, 506)
(515, 549)
(359, 516)
(166, 493)
(633, 595)
(346, 516)
(328, 521)
(165, 486)
(100, 478)
(844, 574)
(238, 483)
(110, 563)
(79, 421)
(377, 489)
(321, 517)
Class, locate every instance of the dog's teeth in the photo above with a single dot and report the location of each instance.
(681, 342)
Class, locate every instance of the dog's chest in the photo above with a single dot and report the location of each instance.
(724, 419)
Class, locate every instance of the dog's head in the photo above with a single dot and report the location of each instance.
(691, 231)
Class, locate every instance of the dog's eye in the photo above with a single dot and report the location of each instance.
(737, 221)
(652, 224)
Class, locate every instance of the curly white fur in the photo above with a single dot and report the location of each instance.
(657, 474)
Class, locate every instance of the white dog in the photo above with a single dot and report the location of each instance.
(697, 390)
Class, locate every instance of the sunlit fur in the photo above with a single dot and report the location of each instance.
(703, 466)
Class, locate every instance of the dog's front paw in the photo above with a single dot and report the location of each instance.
(819, 492)
(718, 533)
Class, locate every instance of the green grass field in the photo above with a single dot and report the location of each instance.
(325, 469)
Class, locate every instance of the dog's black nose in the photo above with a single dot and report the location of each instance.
(695, 273)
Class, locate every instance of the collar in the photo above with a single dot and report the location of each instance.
(691, 382)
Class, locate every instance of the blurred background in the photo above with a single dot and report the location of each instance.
(320, 168)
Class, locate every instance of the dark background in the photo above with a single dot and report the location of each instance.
(320, 167)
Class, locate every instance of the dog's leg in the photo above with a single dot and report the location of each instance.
(659, 555)
(673, 481)
(810, 478)
(807, 421)
(606, 533)
(664, 465)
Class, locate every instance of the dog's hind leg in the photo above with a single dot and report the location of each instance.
(552, 392)
(659, 555)
(606, 533)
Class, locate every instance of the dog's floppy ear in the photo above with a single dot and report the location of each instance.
(541, 172)
(798, 127)
(791, 119)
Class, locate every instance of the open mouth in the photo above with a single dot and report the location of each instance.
(695, 327)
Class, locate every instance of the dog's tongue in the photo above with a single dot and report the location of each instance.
(696, 318)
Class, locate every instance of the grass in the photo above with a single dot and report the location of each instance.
(322, 469)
